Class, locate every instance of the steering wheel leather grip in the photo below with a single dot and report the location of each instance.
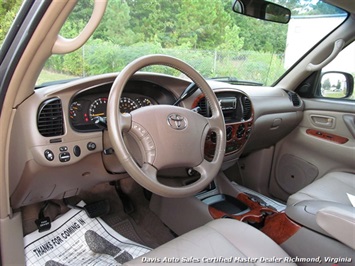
(168, 136)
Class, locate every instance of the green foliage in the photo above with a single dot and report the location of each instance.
(259, 35)
(203, 25)
(100, 57)
(71, 29)
(197, 24)
(232, 41)
(191, 30)
(155, 20)
(250, 66)
(201, 58)
(8, 11)
(262, 67)
(115, 26)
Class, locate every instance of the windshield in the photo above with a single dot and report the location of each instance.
(207, 34)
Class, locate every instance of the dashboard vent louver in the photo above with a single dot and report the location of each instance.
(50, 118)
(204, 107)
(246, 108)
(294, 98)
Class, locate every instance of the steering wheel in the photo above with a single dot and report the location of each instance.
(167, 136)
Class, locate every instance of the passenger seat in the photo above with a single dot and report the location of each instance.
(333, 187)
(324, 206)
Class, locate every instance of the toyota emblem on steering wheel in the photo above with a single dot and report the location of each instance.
(177, 122)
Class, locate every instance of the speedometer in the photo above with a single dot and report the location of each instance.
(98, 108)
(127, 105)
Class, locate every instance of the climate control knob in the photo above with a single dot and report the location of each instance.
(240, 131)
(229, 133)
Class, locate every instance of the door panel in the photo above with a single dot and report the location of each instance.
(323, 142)
(350, 123)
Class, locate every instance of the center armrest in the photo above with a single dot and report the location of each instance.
(304, 213)
(338, 222)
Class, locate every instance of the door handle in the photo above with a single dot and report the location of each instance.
(349, 121)
(323, 121)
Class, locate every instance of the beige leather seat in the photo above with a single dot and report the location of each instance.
(325, 207)
(331, 187)
(216, 243)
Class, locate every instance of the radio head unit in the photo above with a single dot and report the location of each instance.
(227, 103)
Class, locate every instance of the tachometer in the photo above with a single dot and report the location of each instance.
(127, 105)
(98, 108)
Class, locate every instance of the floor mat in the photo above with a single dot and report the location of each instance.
(277, 205)
(145, 226)
(126, 229)
(76, 239)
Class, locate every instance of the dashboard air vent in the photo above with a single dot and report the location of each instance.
(246, 108)
(204, 111)
(50, 118)
(294, 98)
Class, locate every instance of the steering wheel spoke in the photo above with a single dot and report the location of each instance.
(150, 171)
(125, 121)
(205, 168)
(215, 122)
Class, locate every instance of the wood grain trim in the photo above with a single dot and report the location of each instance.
(197, 100)
(255, 215)
(327, 136)
(233, 144)
(276, 225)
(239, 135)
(279, 227)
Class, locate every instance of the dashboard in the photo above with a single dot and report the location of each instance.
(63, 135)
(90, 103)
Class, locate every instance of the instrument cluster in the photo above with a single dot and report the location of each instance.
(84, 110)
(86, 105)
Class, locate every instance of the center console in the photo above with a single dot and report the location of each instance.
(238, 115)
(225, 201)
(254, 211)
(294, 232)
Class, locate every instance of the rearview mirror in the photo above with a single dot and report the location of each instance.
(262, 10)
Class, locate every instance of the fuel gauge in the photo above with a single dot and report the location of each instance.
(141, 102)
(146, 102)
(74, 109)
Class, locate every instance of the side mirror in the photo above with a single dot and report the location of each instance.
(337, 85)
(262, 10)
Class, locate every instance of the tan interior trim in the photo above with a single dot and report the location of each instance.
(63, 45)
(23, 81)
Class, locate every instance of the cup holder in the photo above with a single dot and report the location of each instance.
(227, 204)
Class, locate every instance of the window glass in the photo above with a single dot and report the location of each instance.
(206, 34)
(8, 11)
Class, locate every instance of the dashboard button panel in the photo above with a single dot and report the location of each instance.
(91, 146)
(49, 155)
(77, 150)
(64, 157)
